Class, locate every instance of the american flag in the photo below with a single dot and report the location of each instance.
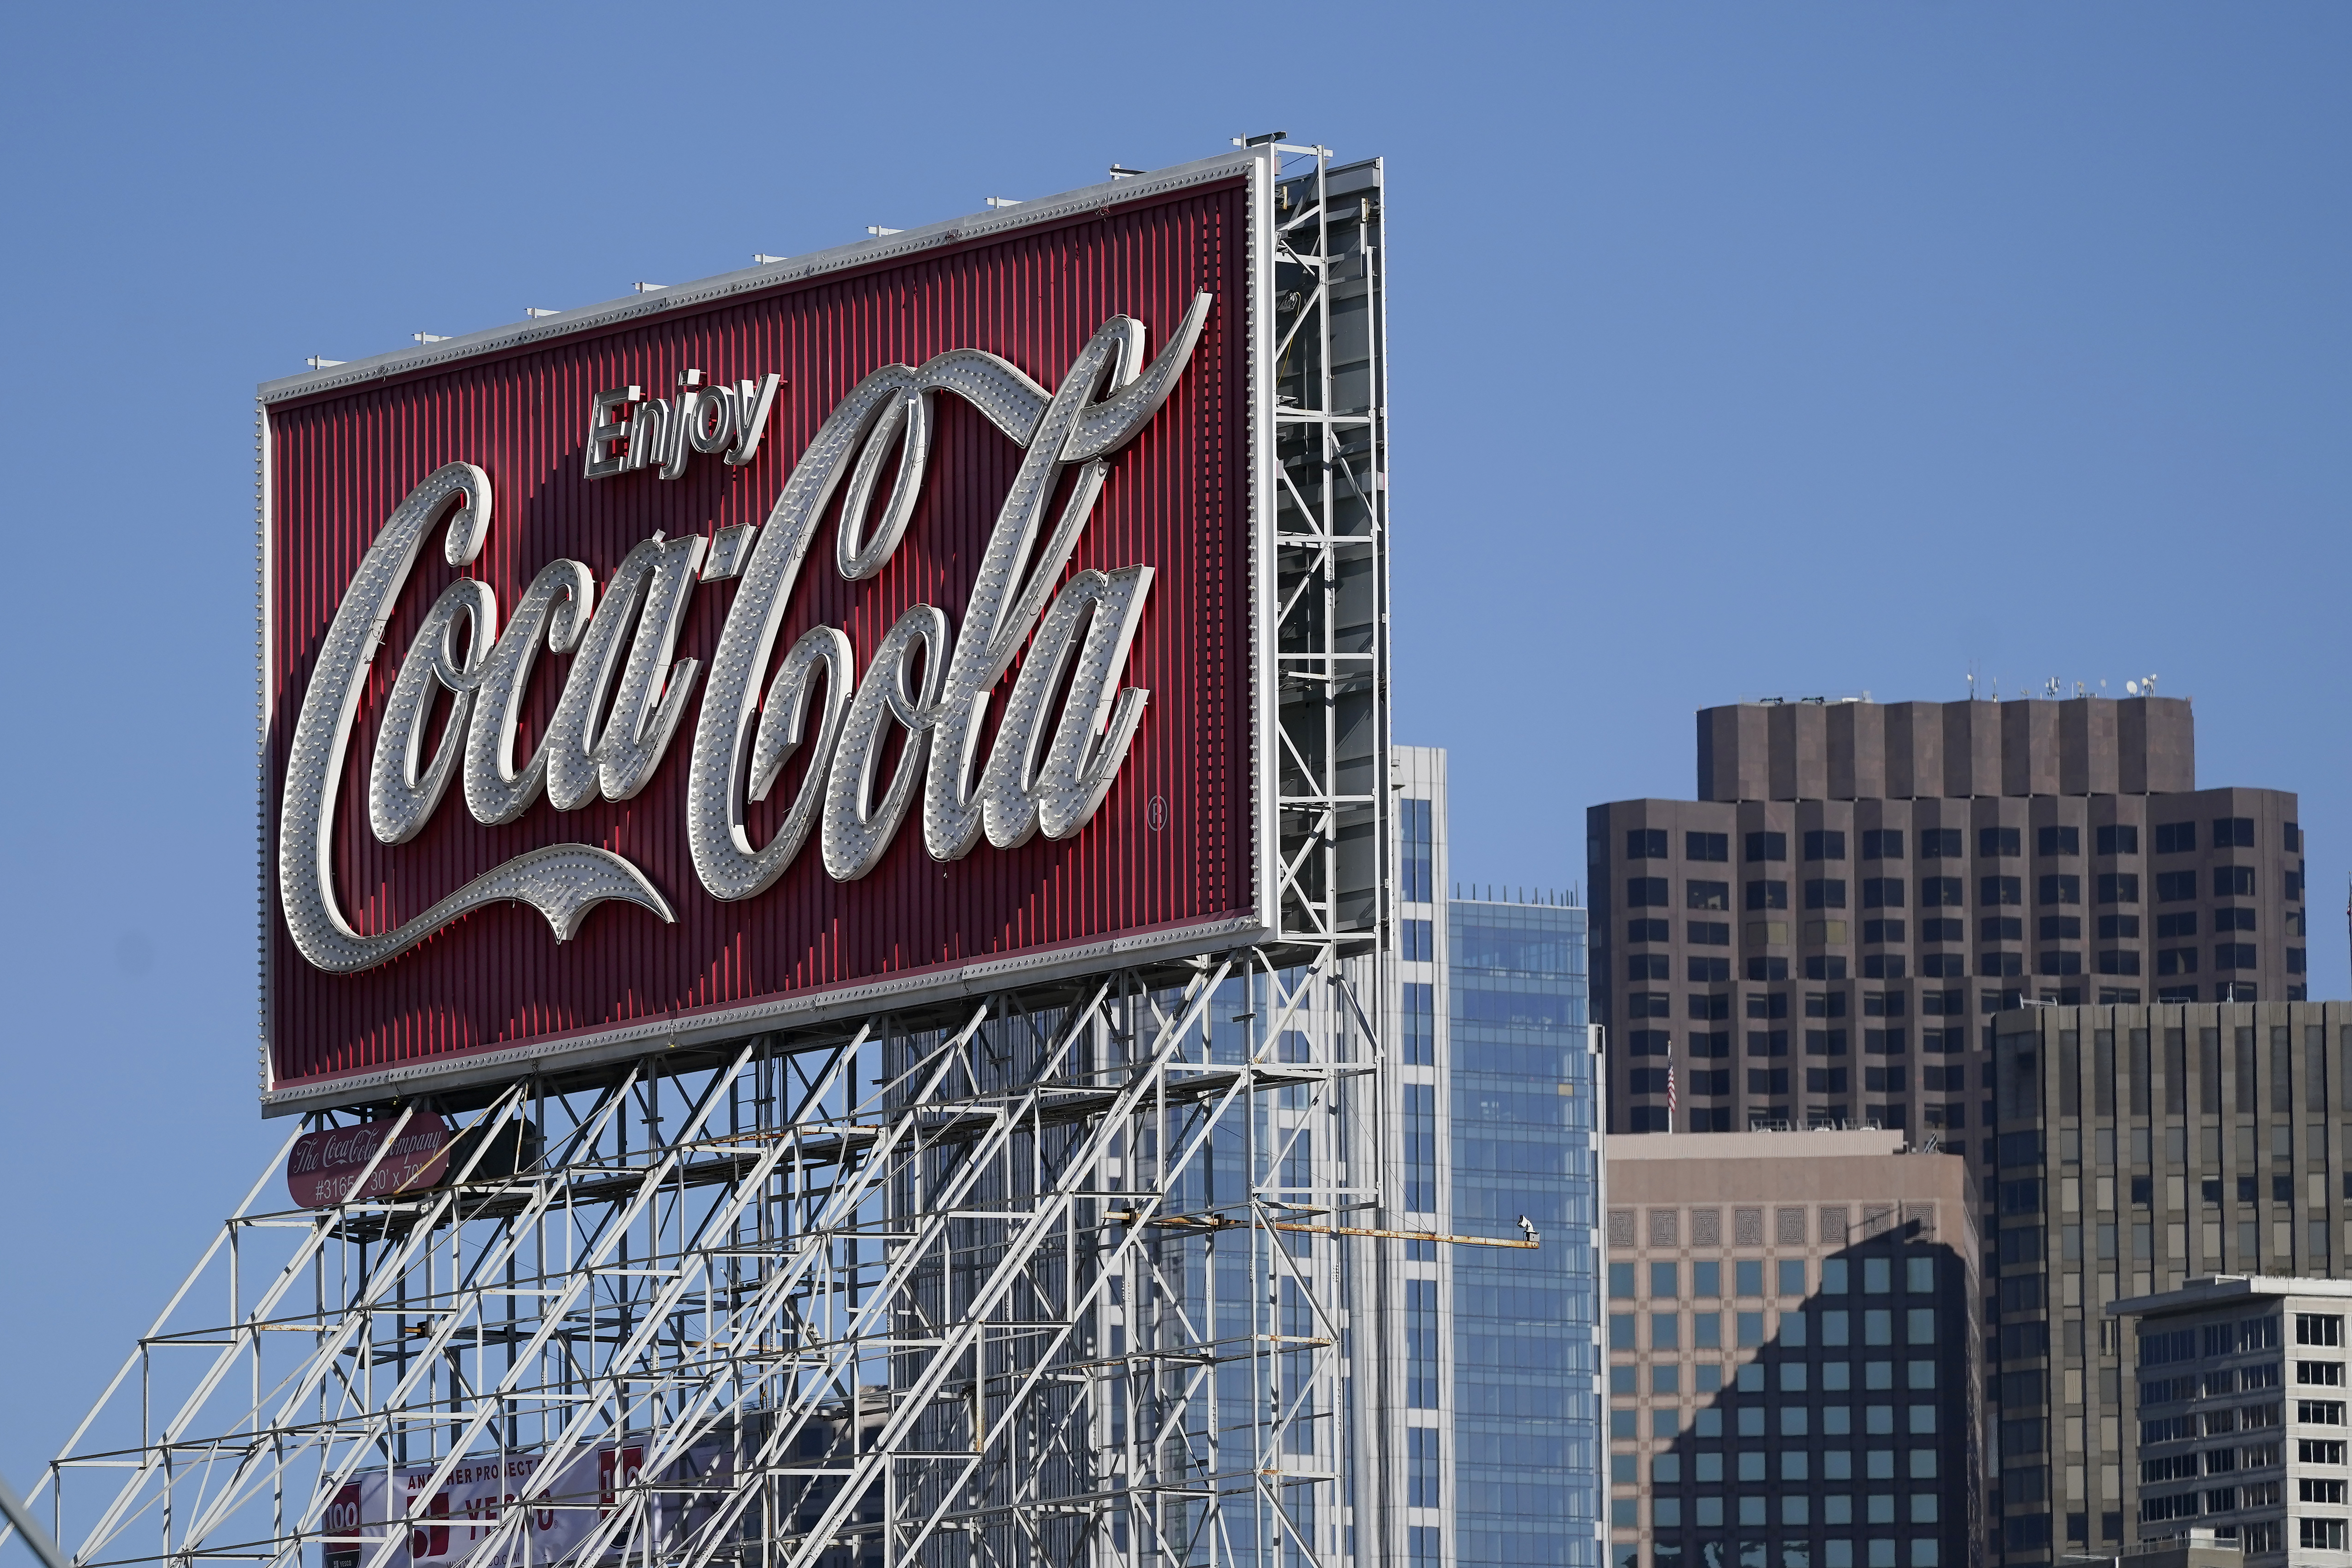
(1670, 1085)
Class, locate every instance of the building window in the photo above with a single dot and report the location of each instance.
(1421, 1015)
(2058, 841)
(2125, 962)
(1768, 846)
(1942, 931)
(1420, 855)
(1420, 941)
(2060, 887)
(1768, 895)
(2320, 1534)
(1645, 931)
(1882, 966)
(2000, 890)
(2233, 920)
(1707, 970)
(2233, 881)
(2170, 927)
(1707, 895)
(2119, 839)
(1939, 843)
(1824, 893)
(2062, 928)
(2173, 886)
(1939, 893)
(1424, 1469)
(1645, 843)
(2233, 832)
(2118, 927)
(1882, 893)
(1646, 966)
(1825, 844)
(1995, 843)
(2002, 928)
(1420, 1368)
(1709, 933)
(1763, 969)
(2175, 838)
(2118, 887)
(2233, 956)
(1881, 843)
(1421, 1149)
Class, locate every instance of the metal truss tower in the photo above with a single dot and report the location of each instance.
(1067, 1275)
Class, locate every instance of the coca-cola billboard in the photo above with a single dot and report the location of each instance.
(872, 626)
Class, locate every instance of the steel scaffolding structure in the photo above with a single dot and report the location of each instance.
(1067, 1274)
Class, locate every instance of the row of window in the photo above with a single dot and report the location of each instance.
(1876, 1277)
(1836, 1328)
(1786, 1553)
(1938, 892)
(2230, 1460)
(2226, 956)
(1796, 1465)
(2143, 1195)
(1703, 969)
(1890, 966)
(1776, 1080)
(1945, 843)
(1702, 1045)
(1796, 1509)
(1703, 1005)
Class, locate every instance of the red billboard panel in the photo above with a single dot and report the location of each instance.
(881, 624)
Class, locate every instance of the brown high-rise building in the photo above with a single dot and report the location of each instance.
(1824, 935)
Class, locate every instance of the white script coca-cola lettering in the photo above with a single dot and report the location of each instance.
(323, 1168)
(1046, 769)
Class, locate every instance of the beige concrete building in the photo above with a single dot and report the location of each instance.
(2236, 1424)
(1792, 1340)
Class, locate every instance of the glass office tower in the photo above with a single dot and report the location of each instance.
(1499, 1117)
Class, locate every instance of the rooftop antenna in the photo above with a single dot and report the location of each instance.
(762, 258)
(317, 363)
(2147, 684)
(428, 338)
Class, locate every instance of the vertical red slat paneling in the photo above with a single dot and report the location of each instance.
(1176, 499)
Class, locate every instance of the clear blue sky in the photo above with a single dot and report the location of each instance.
(1740, 349)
